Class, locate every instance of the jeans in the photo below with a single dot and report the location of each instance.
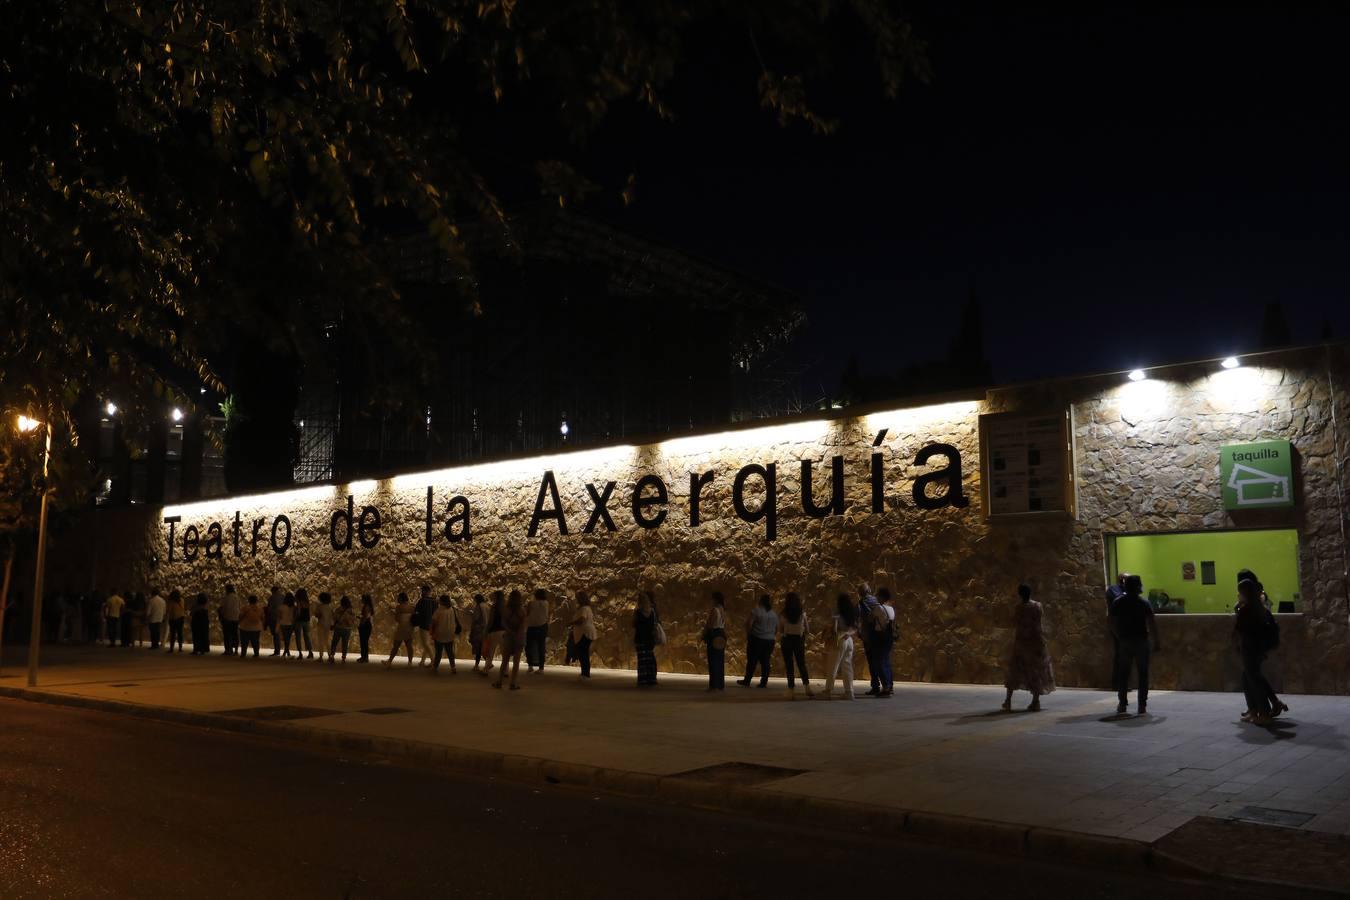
(841, 666)
(364, 632)
(176, 633)
(794, 651)
(448, 649)
(249, 639)
(154, 634)
(292, 631)
(301, 632)
(342, 637)
(583, 652)
(229, 633)
(1133, 653)
(114, 628)
(760, 655)
(717, 661)
(536, 637)
(1260, 696)
(881, 663)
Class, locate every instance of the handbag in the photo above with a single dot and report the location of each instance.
(658, 634)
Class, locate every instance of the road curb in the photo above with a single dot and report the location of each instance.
(1003, 838)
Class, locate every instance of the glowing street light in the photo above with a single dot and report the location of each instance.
(177, 414)
(1230, 362)
(111, 408)
(27, 425)
(1137, 375)
(563, 429)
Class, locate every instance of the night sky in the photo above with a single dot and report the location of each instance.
(1118, 188)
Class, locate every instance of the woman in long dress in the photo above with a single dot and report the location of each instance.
(1029, 668)
(645, 622)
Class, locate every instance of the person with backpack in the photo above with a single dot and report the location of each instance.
(884, 632)
(845, 628)
(762, 628)
(1256, 633)
(793, 630)
(444, 627)
(1136, 632)
(867, 606)
(1029, 666)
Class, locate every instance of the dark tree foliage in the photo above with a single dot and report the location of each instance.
(181, 179)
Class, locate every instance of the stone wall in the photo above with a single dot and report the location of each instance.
(1146, 460)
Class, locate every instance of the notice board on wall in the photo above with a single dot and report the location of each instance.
(1027, 463)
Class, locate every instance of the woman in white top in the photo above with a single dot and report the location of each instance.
(845, 627)
(792, 632)
(715, 636)
(583, 633)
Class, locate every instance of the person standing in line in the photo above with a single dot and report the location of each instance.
(133, 633)
(512, 638)
(323, 624)
(867, 606)
(286, 623)
(250, 627)
(422, 613)
(154, 617)
(444, 626)
(230, 608)
(302, 617)
(715, 637)
(845, 627)
(883, 642)
(536, 631)
(124, 628)
(175, 612)
(793, 630)
(492, 632)
(583, 633)
(403, 629)
(1113, 593)
(366, 626)
(646, 621)
(762, 626)
(201, 627)
(1253, 626)
(1029, 667)
(1270, 639)
(112, 615)
(344, 617)
(1133, 624)
(478, 628)
(271, 617)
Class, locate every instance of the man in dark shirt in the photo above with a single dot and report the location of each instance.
(1133, 626)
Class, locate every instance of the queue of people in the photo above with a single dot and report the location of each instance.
(503, 626)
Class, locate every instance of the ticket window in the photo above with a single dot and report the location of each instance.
(1196, 571)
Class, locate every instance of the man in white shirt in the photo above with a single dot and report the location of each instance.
(536, 631)
(229, 620)
(154, 617)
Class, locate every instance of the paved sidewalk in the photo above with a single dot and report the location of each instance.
(932, 748)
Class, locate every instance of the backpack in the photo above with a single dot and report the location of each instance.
(1270, 631)
(882, 623)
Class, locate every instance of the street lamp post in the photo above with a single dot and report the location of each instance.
(35, 639)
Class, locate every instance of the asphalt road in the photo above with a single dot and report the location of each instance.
(99, 805)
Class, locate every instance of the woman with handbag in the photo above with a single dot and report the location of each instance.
(715, 636)
(647, 633)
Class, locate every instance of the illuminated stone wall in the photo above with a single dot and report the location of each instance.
(1146, 459)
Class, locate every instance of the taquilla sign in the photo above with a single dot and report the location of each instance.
(756, 492)
(1257, 475)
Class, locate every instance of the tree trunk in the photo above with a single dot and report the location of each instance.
(4, 595)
